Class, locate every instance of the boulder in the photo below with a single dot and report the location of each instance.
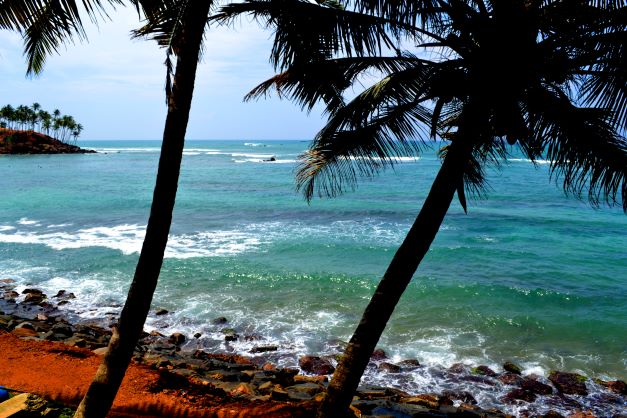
(263, 348)
(512, 368)
(32, 291)
(510, 379)
(465, 397)
(177, 338)
(569, 383)
(316, 365)
(34, 297)
(616, 386)
(429, 400)
(389, 367)
(409, 364)
(521, 394)
(483, 371)
(162, 311)
(378, 354)
(219, 321)
(535, 386)
(62, 328)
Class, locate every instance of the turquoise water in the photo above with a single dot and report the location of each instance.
(528, 275)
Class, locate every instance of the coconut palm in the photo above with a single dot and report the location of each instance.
(179, 26)
(547, 75)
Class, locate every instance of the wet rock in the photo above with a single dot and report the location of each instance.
(428, 400)
(7, 281)
(315, 365)
(197, 335)
(616, 386)
(483, 371)
(34, 298)
(63, 329)
(266, 387)
(510, 379)
(569, 383)
(32, 291)
(263, 348)
(552, 414)
(457, 368)
(268, 367)
(535, 386)
(465, 397)
(582, 414)
(230, 334)
(220, 321)
(409, 364)
(389, 367)
(521, 394)
(378, 354)
(177, 338)
(12, 294)
(161, 311)
(512, 368)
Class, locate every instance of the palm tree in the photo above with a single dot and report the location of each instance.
(547, 75)
(178, 25)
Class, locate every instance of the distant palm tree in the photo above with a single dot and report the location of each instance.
(547, 75)
(179, 26)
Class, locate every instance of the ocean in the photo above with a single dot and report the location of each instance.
(529, 275)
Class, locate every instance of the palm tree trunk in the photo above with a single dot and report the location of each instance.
(396, 278)
(102, 391)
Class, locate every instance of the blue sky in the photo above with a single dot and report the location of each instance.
(114, 85)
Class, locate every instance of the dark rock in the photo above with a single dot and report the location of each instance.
(233, 337)
(60, 294)
(409, 364)
(197, 335)
(552, 414)
(11, 294)
(75, 342)
(378, 354)
(279, 394)
(34, 297)
(32, 291)
(457, 368)
(315, 365)
(264, 348)
(160, 312)
(569, 383)
(521, 394)
(512, 368)
(177, 338)
(308, 388)
(535, 386)
(465, 397)
(220, 321)
(616, 386)
(63, 329)
(510, 379)
(484, 371)
(389, 367)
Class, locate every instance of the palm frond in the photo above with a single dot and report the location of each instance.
(308, 31)
(309, 83)
(583, 148)
(338, 158)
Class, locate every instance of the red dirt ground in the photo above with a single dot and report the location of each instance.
(56, 371)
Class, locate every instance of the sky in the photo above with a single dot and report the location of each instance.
(114, 86)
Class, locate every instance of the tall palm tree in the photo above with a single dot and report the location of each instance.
(178, 25)
(548, 75)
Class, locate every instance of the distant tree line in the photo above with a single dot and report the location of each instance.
(34, 118)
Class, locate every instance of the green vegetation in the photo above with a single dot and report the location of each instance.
(34, 118)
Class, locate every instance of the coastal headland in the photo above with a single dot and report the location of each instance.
(31, 142)
(46, 355)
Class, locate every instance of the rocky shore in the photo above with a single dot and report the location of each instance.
(202, 379)
(30, 142)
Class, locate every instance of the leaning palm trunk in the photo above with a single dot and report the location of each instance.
(398, 275)
(102, 391)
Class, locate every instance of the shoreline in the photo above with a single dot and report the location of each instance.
(37, 318)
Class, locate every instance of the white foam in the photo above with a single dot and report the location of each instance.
(191, 153)
(128, 239)
(526, 160)
(26, 221)
(262, 156)
(254, 144)
(4, 228)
